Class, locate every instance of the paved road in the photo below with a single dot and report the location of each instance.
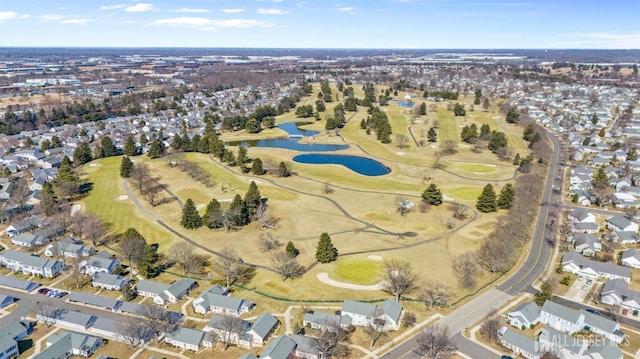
(532, 269)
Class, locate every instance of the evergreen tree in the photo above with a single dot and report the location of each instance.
(144, 139)
(432, 195)
(242, 159)
(55, 142)
(65, 172)
(505, 199)
(487, 200)
(485, 131)
(252, 199)
(213, 215)
(600, 179)
(283, 170)
(433, 135)
(147, 265)
(229, 158)
(130, 147)
(45, 145)
(292, 251)
(325, 251)
(516, 159)
(157, 149)
(238, 211)
(423, 109)
(512, 115)
(363, 124)
(190, 217)
(469, 133)
(82, 154)
(129, 292)
(497, 140)
(108, 147)
(545, 293)
(458, 110)
(256, 167)
(125, 167)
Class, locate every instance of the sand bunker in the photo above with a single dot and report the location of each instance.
(124, 197)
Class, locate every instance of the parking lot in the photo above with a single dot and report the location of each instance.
(579, 289)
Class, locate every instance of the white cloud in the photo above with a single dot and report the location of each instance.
(7, 15)
(275, 1)
(142, 7)
(190, 10)
(346, 8)
(50, 17)
(113, 7)
(210, 24)
(271, 11)
(76, 21)
(613, 40)
(231, 11)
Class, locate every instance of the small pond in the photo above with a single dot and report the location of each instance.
(362, 165)
(292, 143)
(406, 103)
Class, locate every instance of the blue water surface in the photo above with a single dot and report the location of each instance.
(292, 143)
(362, 165)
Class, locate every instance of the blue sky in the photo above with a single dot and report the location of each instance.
(429, 24)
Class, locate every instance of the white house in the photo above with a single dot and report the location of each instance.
(387, 315)
(518, 343)
(631, 258)
(581, 215)
(326, 321)
(587, 244)
(561, 318)
(75, 343)
(574, 262)
(108, 281)
(621, 223)
(214, 299)
(163, 293)
(28, 240)
(30, 264)
(101, 262)
(525, 315)
(185, 338)
(616, 292)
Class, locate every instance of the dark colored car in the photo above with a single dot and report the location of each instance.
(593, 311)
(506, 357)
(43, 291)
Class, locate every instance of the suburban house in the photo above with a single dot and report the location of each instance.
(70, 343)
(581, 215)
(387, 314)
(165, 293)
(305, 347)
(185, 338)
(107, 303)
(68, 247)
(574, 262)
(625, 237)
(26, 225)
(30, 264)
(587, 244)
(326, 321)
(569, 321)
(28, 240)
(10, 336)
(518, 343)
(621, 223)
(281, 347)
(616, 292)
(66, 318)
(101, 262)
(108, 281)
(524, 316)
(215, 300)
(241, 332)
(631, 258)
(624, 200)
(566, 346)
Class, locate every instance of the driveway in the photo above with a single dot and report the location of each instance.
(576, 293)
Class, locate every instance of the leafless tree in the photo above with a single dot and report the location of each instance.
(331, 342)
(478, 145)
(433, 293)
(185, 256)
(437, 160)
(434, 342)
(504, 153)
(496, 255)
(133, 331)
(79, 278)
(229, 264)
(132, 249)
(152, 191)
(47, 313)
(326, 188)
(402, 140)
(264, 218)
(449, 147)
(465, 267)
(139, 174)
(230, 329)
(94, 229)
(266, 242)
(20, 194)
(78, 224)
(375, 328)
(403, 205)
(491, 325)
(156, 318)
(398, 278)
(286, 266)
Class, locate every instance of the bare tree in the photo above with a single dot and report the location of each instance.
(152, 190)
(433, 293)
(79, 278)
(94, 229)
(20, 193)
(264, 218)
(375, 328)
(437, 160)
(465, 267)
(132, 249)
(434, 342)
(47, 313)
(156, 318)
(331, 342)
(133, 331)
(230, 328)
(398, 278)
(496, 254)
(186, 258)
(449, 147)
(229, 264)
(327, 188)
(286, 266)
(266, 242)
(402, 140)
(139, 174)
(491, 325)
(78, 227)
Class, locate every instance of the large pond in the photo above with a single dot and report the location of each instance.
(362, 165)
(293, 142)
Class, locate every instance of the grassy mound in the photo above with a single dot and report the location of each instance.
(358, 271)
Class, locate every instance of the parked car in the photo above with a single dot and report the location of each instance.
(625, 311)
(43, 291)
(506, 357)
(585, 287)
(589, 281)
(635, 313)
(593, 311)
(580, 277)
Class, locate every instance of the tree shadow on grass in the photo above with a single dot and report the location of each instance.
(85, 188)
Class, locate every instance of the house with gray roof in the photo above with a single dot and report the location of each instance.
(561, 318)
(566, 346)
(6, 300)
(574, 262)
(518, 343)
(165, 293)
(99, 263)
(185, 338)
(305, 347)
(108, 281)
(388, 312)
(68, 247)
(16, 283)
(524, 316)
(95, 300)
(626, 237)
(621, 223)
(587, 244)
(213, 300)
(605, 327)
(30, 264)
(616, 292)
(28, 240)
(75, 343)
(261, 329)
(326, 321)
(66, 318)
(229, 329)
(630, 258)
(9, 337)
(281, 347)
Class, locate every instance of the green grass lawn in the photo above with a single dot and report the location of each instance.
(358, 271)
(475, 168)
(465, 193)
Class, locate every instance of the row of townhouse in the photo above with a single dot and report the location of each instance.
(216, 299)
(288, 347)
(564, 319)
(165, 293)
(68, 343)
(30, 264)
(615, 292)
(10, 336)
(574, 262)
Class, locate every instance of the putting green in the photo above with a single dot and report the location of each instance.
(475, 168)
(357, 271)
